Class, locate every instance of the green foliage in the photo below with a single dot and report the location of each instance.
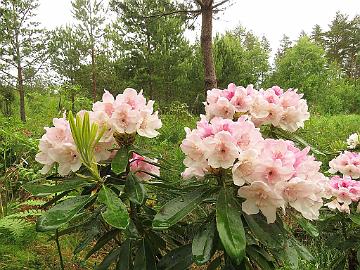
(240, 57)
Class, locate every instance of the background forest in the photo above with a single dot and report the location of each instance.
(143, 44)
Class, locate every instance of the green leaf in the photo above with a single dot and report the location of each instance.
(144, 259)
(302, 250)
(202, 244)
(120, 161)
(270, 235)
(178, 208)
(124, 256)
(355, 217)
(308, 227)
(90, 232)
(116, 213)
(214, 264)
(103, 240)
(256, 256)
(177, 259)
(44, 190)
(229, 225)
(109, 259)
(134, 189)
(291, 256)
(61, 213)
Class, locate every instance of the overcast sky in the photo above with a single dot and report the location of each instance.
(271, 18)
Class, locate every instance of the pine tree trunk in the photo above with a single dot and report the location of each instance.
(206, 45)
(21, 93)
(93, 71)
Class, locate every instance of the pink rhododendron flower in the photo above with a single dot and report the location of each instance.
(284, 109)
(260, 196)
(106, 105)
(347, 163)
(344, 191)
(142, 168)
(221, 150)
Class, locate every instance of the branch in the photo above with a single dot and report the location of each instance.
(197, 11)
(8, 74)
(220, 3)
(200, 3)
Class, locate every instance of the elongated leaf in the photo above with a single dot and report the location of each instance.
(270, 235)
(355, 217)
(202, 244)
(229, 226)
(134, 189)
(308, 227)
(116, 213)
(178, 208)
(109, 259)
(302, 250)
(144, 259)
(61, 213)
(124, 261)
(44, 190)
(177, 259)
(259, 259)
(291, 256)
(106, 238)
(120, 161)
(215, 264)
(90, 233)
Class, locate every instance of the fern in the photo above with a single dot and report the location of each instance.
(15, 226)
(16, 223)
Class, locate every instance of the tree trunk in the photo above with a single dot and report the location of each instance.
(93, 71)
(149, 68)
(206, 45)
(21, 93)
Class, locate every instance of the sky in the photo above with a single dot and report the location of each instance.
(271, 18)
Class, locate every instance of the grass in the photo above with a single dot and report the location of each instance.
(33, 251)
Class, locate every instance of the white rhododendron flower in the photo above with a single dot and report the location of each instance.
(353, 141)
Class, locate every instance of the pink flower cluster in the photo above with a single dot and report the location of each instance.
(128, 113)
(345, 190)
(217, 144)
(347, 163)
(143, 167)
(57, 146)
(277, 174)
(286, 110)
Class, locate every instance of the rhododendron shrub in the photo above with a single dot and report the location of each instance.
(97, 177)
(247, 181)
(342, 220)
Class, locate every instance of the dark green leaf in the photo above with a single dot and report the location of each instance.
(103, 240)
(61, 213)
(308, 227)
(90, 233)
(109, 259)
(214, 264)
(259, 259)
(144, 259)
(116, 213)
(124, 256)
(134, 189)
(120, 161)
(229, 225)
(43, 190)
(177, 259)
(270, 235)
(202, 244)
(178, 208)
